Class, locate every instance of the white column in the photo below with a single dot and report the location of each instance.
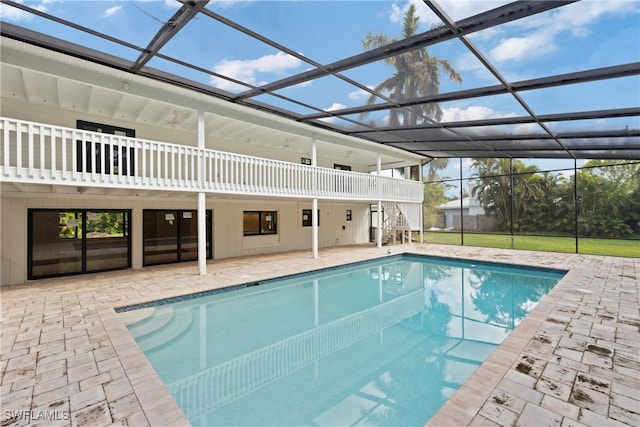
(202, 214)
(314, 207)
(421, 178)
(379, 215)
(202, 234)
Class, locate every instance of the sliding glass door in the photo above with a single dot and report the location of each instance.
(63, 242)
(172, 236)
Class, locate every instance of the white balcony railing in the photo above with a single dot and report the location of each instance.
(40, 153)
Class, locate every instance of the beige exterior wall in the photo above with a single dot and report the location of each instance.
(228, 239)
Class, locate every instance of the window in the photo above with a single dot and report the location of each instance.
(348, 214)
(306, 217)
(103, 154)
(260, 222)
(343, 182)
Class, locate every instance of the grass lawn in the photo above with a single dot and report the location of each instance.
(613, 247)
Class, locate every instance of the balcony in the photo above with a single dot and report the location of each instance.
(35, 153)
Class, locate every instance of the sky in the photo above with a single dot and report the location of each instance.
(588, 34)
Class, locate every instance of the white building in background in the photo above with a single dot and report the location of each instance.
(475, 218)
(101, 169)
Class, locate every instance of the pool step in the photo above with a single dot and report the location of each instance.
(161, 328)
(157, 319)
(135, 316)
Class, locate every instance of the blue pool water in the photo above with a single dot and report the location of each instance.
(385, 342)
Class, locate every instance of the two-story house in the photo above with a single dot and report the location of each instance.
(102, 169)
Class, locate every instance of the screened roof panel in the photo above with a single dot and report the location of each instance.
(326, 93)
(482, 107)
(64, 33)
(228, 52)
(596, 125)
(534, 154)
(473, 73)
(601, 143)
(539, 78)
(575, 37)
(448, 146)
(285, 104)
(607, 153)
(458, 10)
(115, 19)
(316, 30)
(199, 75)
(529, 144)
(597, 95)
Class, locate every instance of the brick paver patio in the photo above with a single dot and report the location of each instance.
(67, 359)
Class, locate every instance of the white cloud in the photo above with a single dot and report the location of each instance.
(226, 4)
(460, 9)
(335, 106)
(540, 31)
(536, 35)
(112, 10)
(247, 70)
(359, 94)
(474, 112)
(465, 163)
(172, 4)
(397, 12)
(517, 48)
(14, 14)
(527, 128)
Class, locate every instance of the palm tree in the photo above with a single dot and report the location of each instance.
(503, 184)
(417, 74)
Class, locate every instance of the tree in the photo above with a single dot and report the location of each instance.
(553, 212)
(505, 187)
(417, 74)
(608, 199)
(434, 196)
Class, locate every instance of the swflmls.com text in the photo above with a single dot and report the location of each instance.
(36, 415)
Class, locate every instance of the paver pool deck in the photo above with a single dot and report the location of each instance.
(574, 360)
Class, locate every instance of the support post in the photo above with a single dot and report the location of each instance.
(379, 215)
(421, 178)
(202, 214)
(314, 207)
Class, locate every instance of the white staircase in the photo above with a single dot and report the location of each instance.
(395, 225)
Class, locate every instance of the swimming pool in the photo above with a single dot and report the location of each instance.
(383, 342)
